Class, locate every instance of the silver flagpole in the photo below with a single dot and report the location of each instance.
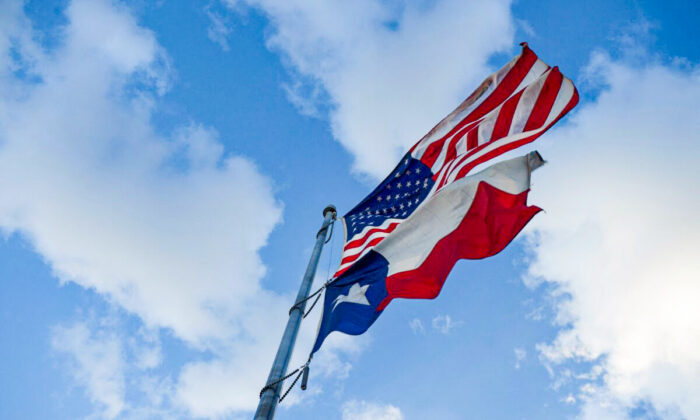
(270, 396)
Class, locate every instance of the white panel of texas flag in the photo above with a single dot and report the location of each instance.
(403, 239)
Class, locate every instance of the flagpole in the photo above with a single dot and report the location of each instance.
(270, 397)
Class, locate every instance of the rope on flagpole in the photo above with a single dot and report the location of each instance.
(317, 293)
(328, 271)
(300, 370)
(303, 370)
(330, 233)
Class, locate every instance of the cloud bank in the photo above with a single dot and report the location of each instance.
(619, 242)
(165, 225)
(389, 70)
(155, 222)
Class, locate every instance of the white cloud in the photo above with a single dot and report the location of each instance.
(619, 242)
(444, 324)
(391, 70)
(363, 410)
(520, 355)
(167, 226)
(146, 348)
(116, 370)
(416, 326)
(98, 365)
(155, 223)
(218, 31)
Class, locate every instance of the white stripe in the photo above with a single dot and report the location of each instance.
(564, 95)
(526, 104)
(486, 126)
(522, 112)
(367, 228)
(357, 249)
(441, 176)
(343, 266)
(446, 146)
(449, 122)
(491, 146)
(461, 146)
(536, 71)
(566, 92)
(503, 71)
(362, 249)
(347, 252)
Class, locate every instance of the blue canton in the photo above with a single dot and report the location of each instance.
(395, 198)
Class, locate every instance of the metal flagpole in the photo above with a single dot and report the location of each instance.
(270, 397)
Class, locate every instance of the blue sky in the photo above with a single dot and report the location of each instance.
(164, 165)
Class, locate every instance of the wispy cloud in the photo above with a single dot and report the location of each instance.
(444, 324)
(97, 364)
(363, 410)
(520, 355)
(108, 365)
(416, 326)
(390, 70)
(218, 30)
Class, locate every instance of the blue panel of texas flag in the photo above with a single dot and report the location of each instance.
(403, 239)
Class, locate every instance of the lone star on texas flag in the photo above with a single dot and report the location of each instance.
(356, 294)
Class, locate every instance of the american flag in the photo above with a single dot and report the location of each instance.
(512, 107)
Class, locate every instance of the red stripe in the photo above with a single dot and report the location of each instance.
(339, 272)
(510, 146)
(358, 242)
(472, 139)
(492, 222)
(452, 146)
(545, 100)
(509, 83)
(351, 258)
(505, 116)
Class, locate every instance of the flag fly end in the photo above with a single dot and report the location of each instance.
(535, 160)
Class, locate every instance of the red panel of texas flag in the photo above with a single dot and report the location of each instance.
(403, 239)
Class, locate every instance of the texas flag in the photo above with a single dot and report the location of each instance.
(403, 239)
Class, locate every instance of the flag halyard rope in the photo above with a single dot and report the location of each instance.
(317, 293)
(301, 369)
